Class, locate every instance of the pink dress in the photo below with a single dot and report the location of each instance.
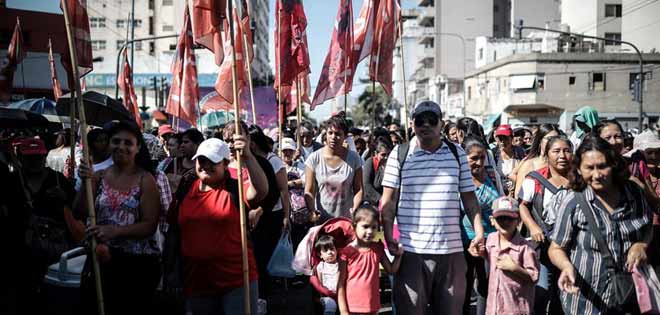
(362, 279)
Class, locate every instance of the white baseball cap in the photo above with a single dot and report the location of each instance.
(289, 144)
(213, 149)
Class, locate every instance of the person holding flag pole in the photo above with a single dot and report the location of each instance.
(87, 181)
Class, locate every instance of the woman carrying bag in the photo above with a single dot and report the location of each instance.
(595, 264)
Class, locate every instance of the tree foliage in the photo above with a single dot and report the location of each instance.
(372, 108)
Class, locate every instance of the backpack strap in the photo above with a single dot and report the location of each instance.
(454, 151)
(537, 203)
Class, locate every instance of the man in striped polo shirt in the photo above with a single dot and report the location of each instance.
(431, 184)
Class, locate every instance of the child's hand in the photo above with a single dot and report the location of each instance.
(506, 263)
(399, 251)
(474, 251)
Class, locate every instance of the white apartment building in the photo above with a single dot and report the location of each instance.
(640, 24)
(534, 88)
(600, 18)
(110, 27)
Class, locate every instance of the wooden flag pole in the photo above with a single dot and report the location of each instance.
(280, 110)
(299, 108)
(403, 75)
(248, 64)
(238, 130)
(87, 181)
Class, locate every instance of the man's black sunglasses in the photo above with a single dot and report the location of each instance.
(431, 120)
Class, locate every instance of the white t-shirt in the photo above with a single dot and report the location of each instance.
(329, 274)
(96, 167)
(277, 165)
(527, 193)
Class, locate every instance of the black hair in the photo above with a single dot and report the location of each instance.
(230, 130)
(470, 142)
(383, 143)
(175, 136)
(64, 138)
(520, 132)
(590, 143)
(259, 139)
(543, 130)
(471, 128)
(604, 123)
(94, 134)
(366, 209)
(193, 135)
(358, 139)
(324, 242)
(448, 125)
(143, 157)
(554, 139)
(339, 122)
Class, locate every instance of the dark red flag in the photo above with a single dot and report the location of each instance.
(81, 36)
(365, 26)
(15, 55)
(125, 82)
(57, 89)
(184, 92)
(223, 84)
(291, 53)
(337, 75)
(386, 35)
(206, 18)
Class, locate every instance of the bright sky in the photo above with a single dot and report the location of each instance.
(320, 19)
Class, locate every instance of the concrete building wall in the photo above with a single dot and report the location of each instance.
(468, 18)
(588, 17)
(640, 24)
(412, 53)
(567, 85)
(538, 13)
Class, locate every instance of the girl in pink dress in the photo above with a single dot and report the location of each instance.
(358, 291)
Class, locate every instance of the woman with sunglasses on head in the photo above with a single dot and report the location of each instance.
(601, 234)
(535, 159)
(333, 175)
(127, 205)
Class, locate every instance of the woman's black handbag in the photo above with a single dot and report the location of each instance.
(623, 287)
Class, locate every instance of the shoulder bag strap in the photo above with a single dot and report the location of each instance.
(544, 181)
(595, 230)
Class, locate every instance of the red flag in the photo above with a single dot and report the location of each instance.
(223, 84)
(15, 55)
(125, 82)
(337, 76)
(365, 26)
(57, 89)
(290, 92)
(184, 92)
(292, 55)
(206, 19)
(385, 36)
(82, 40)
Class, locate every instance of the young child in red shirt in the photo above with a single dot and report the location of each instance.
(359, 290)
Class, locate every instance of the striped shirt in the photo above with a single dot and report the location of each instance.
(429, 212)
(624, 227)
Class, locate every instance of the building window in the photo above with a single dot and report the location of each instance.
(151, 25)
(496, 8)
(151, 4)
(121, 23)
(137, 23)
(614, 36)
(469, 93)
(119, 44)
(152, 48)
(571, 80)
(96, 22)
(495, 55)
(168, 28)
(540, 82)
(98, 45)
(167, 2)
(612, 10)
(481, 53)
(598, 81)
(138, 45)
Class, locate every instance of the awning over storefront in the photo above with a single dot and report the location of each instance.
(519, 82)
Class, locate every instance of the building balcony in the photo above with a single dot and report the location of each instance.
(425, 3)
(426, 16)
(426, 35)
(428, 56)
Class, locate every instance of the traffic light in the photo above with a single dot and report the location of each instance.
(637, 90)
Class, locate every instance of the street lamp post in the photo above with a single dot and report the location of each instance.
(640, 96)
(130, 42)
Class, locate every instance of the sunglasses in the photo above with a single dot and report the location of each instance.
(422, 120)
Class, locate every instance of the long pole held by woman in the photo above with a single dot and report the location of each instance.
(280, 110)
(299, 106)
(248, 65)
(83, 130)
(237, 126)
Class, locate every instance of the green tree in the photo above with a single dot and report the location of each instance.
(371, 109)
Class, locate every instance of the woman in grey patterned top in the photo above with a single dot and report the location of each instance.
(623, 219)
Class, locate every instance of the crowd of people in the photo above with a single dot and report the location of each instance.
(517, 221)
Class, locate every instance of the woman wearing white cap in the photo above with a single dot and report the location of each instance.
(209, 223)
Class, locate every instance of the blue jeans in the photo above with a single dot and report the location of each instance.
(329, 305)
(546, 299)
(227, 304)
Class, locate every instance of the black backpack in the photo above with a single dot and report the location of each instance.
(403, 154)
